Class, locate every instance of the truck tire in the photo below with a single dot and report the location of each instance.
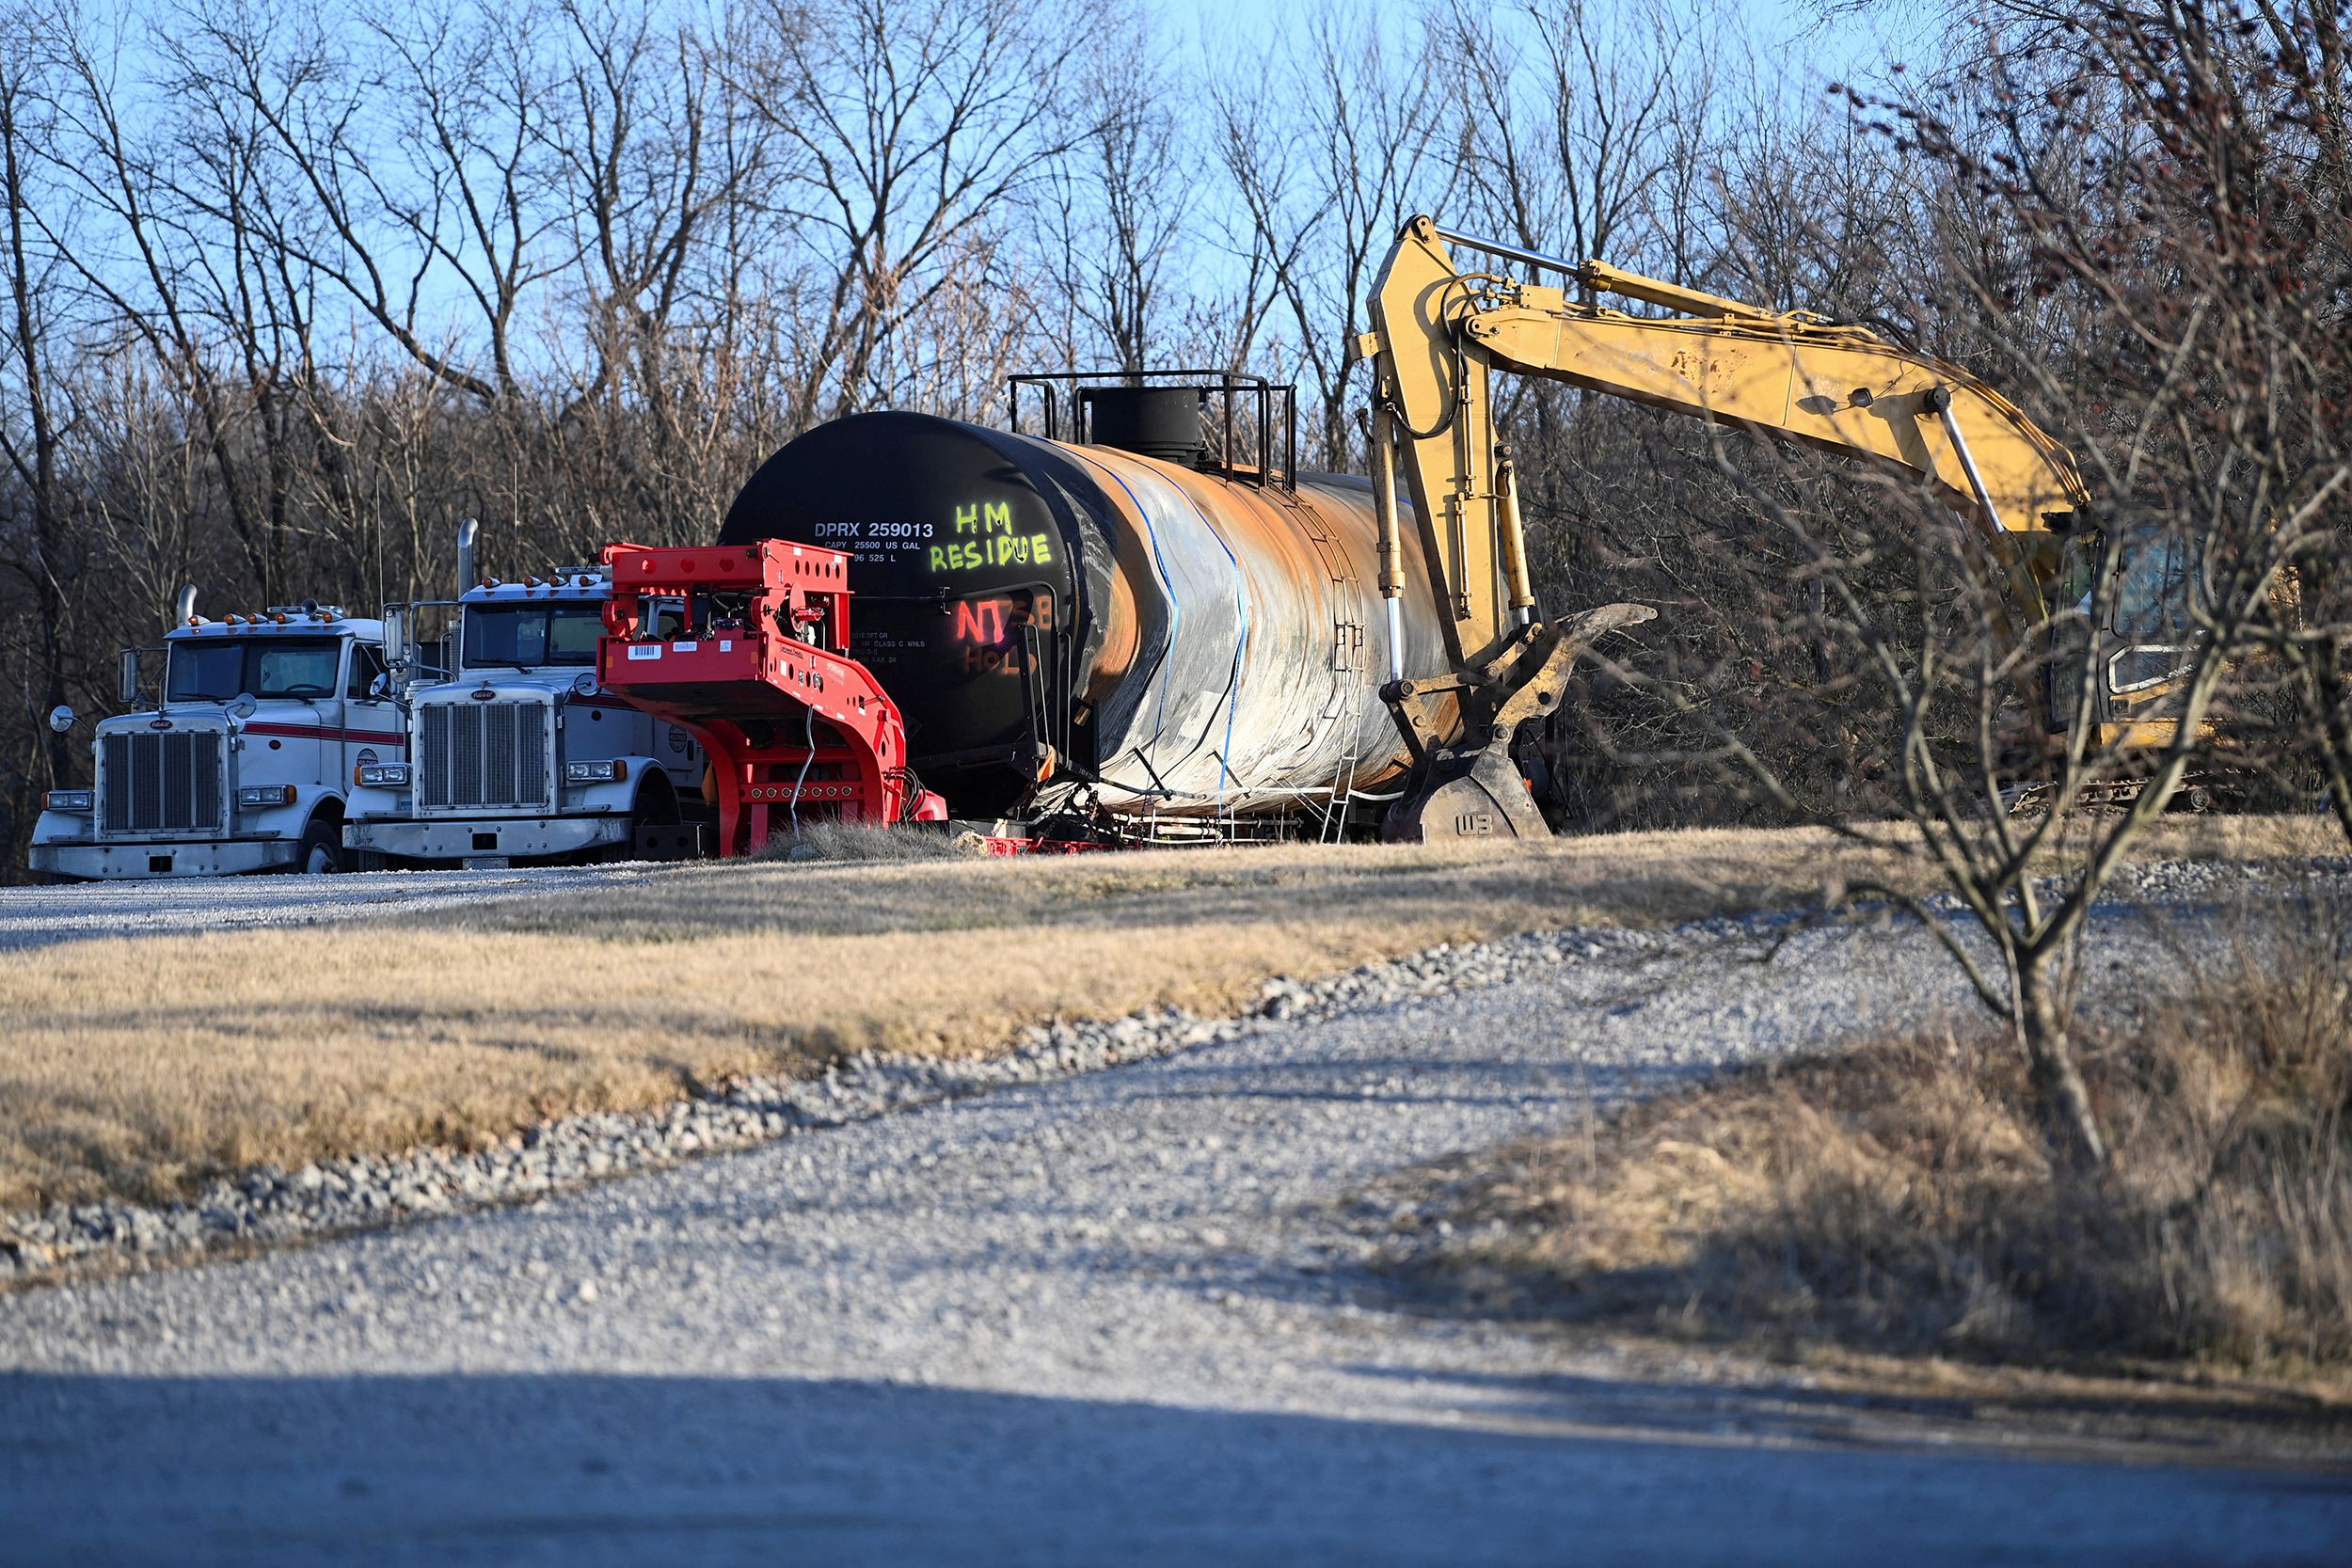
(321, 852)
(657, 806)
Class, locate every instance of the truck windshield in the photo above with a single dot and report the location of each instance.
(218, 672)
(527, 636)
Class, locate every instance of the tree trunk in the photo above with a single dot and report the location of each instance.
(36, 471)
(2065, 1100)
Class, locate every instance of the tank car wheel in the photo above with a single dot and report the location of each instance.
(321, 852)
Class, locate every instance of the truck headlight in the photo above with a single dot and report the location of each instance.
(72, 799)
(596, 772)
(266, 795)
(381, 775)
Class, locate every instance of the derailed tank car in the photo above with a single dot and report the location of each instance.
(1125, 620)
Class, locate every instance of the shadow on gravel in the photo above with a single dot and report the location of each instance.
(2186, 1428)
(596, 1468)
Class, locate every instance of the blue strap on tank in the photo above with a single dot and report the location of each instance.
(1175, 606)
(1241, 649)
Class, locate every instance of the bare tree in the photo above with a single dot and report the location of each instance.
(193, 283)
(2033, 697)
(1119, 205)
(654, 157)
(1583, 130)
(32, 434)
(418, 175)
(910, 126)
(1327, 185)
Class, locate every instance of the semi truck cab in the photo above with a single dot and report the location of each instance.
(245, 763)
(519, 754)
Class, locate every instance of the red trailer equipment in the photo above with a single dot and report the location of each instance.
(746, 645)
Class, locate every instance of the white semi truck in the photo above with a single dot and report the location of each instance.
(244, 764)
(517, 754)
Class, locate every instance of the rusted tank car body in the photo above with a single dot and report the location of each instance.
(1055, 618)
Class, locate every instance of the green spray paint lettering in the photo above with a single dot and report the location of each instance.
(987, 517)
(1035, 550)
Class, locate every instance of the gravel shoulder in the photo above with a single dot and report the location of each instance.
(44, 916)
(1116, 1316)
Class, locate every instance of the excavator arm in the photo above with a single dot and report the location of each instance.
(1438, 334)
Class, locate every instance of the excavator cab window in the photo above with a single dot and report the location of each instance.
(2148, 633)
(2069, 634)
(2151, 612)
(2077, 568)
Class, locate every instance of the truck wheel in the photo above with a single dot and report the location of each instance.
(322, 850)
(657, 807)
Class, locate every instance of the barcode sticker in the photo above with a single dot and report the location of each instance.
(644, 650)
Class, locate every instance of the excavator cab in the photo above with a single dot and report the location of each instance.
(2142, 641)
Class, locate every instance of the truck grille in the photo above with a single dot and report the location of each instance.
(159, 783)
(484, 755)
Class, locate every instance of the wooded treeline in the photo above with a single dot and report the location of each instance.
(291, 289)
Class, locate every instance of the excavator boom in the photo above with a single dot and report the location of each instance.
(1438, 334)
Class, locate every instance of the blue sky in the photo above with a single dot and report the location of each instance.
(1849, 47)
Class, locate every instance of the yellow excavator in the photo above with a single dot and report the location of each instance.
(1438, 335)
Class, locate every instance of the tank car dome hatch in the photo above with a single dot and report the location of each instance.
(1158, 421)
(1053, 619)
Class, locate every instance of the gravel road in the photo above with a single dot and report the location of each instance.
(37, 916)
(1115, 1317)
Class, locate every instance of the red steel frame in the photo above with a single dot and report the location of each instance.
(754, 692)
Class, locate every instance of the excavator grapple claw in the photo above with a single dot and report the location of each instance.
(1476, 793)
(1472, 789)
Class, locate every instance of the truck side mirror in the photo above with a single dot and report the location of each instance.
(130, 677)
(400, 655)
(61, 719)
(380, 687)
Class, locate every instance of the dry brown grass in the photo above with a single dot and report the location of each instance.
(139, 1066)
(853, 841)
(1901, 1198)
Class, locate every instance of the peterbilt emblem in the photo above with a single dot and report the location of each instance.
(159, 723)
(484, 695)
(366, 756)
